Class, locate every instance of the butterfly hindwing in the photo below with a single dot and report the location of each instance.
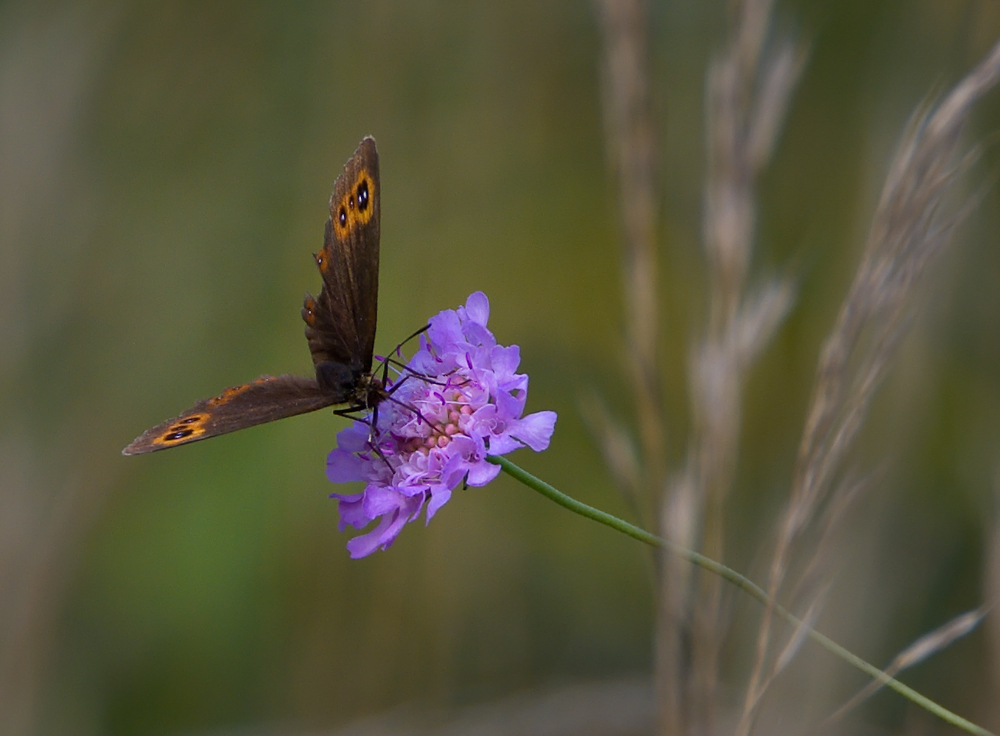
(264, 400)
(340, 322)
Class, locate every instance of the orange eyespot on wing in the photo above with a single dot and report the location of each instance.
(186, 429)
(190, 426)
(355, 207)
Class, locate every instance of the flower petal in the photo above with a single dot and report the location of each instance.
(482, 473)
(367, 543)
(354, 438)
(535, 430)
(439, 497)
(503, 444)
(477, 308)
(505, 361)
(445, 329)
(343, 466)
(380, 500)
(352, 511)
(509, 406)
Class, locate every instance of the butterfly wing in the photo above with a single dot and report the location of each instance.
(340, 322)
(264, 400)
(340, 325)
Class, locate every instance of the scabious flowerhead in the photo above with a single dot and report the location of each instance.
(459, 400)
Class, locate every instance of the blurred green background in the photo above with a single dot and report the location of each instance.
(164, 175)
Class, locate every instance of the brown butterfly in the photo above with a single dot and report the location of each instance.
(340, 328)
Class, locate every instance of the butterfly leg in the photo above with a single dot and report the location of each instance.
(409, 372)
(351, 412)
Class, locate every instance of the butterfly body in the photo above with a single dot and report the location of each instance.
(340, 328)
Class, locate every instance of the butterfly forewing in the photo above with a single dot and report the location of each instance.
(340, 322)
(264, 400)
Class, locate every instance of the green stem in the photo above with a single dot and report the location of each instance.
(740, 581)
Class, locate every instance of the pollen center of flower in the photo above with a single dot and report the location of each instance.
(439, 420)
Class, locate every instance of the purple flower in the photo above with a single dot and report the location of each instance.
(459, 400)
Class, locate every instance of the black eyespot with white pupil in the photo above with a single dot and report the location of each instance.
(342, 217)
(363, 196)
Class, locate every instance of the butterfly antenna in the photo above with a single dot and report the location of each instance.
(397, 351)
(419, 332)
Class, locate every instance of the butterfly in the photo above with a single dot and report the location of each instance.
(340, 329)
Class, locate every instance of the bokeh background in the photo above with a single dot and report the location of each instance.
(164, 175)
